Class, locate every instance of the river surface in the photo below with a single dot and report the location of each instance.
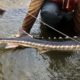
(29, 63)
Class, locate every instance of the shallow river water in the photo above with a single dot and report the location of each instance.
(29, 63)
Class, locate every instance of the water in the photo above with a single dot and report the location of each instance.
(29, 63)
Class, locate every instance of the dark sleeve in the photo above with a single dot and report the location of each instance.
(34, 8)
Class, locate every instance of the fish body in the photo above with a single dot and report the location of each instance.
(67, 45)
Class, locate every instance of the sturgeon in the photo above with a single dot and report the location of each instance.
(67, 45)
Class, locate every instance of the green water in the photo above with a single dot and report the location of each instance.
(28, 63)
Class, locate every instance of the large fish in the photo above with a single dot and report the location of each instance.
(59, 45)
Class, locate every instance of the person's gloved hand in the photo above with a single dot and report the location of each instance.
(67, 16)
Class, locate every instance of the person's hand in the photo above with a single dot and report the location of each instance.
(67, 16)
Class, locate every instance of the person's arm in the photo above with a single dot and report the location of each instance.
(34, 8)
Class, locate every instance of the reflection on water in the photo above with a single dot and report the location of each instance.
(22, 64)
(63, 65)
(30, 64)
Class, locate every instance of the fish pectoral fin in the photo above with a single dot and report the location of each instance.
(42, 50)
(11, 45)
